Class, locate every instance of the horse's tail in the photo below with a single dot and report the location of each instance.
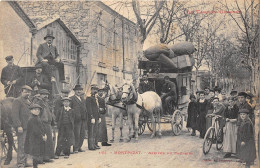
(157, 111)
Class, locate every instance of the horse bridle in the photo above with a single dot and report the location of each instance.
(130, 90)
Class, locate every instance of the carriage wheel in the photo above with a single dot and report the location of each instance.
(4, 145)
(141, 127)
(177, 122)
(15, 144)
(208, 140)
(149, 125)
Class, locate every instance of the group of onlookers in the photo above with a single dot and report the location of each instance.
(236, 121)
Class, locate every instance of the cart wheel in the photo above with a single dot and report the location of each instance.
(177, 122)
(208, 140)
(141, 128)
(149, 125)
(15, 144)
(4, 145)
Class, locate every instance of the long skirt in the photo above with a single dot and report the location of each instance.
(49, 146)
(230, 137)
(102, 129)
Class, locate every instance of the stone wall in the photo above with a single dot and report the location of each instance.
(99, 30)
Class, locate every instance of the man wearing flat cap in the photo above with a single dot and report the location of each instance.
(93, 117)
(242, 104)
(39, 80)
(145, 85)
(11, 77)
(79, 107)
(47, 54)
(20, 116)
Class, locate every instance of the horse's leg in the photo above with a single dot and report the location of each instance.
(130, 123)
(121, 126)
(153, 125)
(137, 114)
(159, 122)
(113, 126)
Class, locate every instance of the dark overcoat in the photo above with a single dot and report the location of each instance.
(69, 134)
(11, 73)
(245, 134)
(46, 52)
(201, 120)
(34, 144)
(102, 126)
(144, 87)
(20, 112)
(45, 83)
(79, 108)
(192, 115)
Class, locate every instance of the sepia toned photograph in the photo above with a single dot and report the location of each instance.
(129, 83)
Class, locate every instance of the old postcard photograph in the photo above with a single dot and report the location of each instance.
(129, 83)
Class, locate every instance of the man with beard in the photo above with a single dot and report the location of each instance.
(79, 107)
(39, 80)
(47, 119)
(103, 126)
(93, 118)
(10, 77)
(20, 117)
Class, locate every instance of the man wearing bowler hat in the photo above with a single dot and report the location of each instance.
(11, 77)
(93, 116)
(47, 54)
(79, 107)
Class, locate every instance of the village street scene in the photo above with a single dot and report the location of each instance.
(135, 83)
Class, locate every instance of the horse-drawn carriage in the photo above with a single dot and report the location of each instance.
(176, 108)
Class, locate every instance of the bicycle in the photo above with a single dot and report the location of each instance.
(213, 134)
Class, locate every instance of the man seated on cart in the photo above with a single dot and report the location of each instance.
(48, 56)
(168, 94)
(145, 85)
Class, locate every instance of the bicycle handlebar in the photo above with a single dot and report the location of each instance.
(214, 115)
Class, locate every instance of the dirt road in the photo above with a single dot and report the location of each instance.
(168, 151)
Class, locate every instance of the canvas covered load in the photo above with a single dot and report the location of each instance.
(168, 58)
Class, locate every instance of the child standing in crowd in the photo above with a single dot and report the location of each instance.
(246, 150)
(35, 136)
(65, 124)
(230, 129)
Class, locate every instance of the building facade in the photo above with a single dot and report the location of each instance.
(109, 42)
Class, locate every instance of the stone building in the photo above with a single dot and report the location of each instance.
(109, 42)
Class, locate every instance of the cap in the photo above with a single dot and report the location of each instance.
(8, 58)
(26, 87)
(233, 92)
(242, 94)
(243, 111)
(66, 98)
(218, 89)
(78, 87)
(94, 87)
(44, 91)
(33, 106)
(65, 91)
(216, 98)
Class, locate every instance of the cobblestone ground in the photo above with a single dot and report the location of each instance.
(175, 151)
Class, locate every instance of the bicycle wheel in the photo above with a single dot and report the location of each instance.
(4, 145)
(208, 140)
(219, 139)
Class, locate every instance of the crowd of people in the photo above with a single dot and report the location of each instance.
(236, 122)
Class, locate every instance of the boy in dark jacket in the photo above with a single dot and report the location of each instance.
(65, 124)
(246, 150)
(192, 114)
(35, 136)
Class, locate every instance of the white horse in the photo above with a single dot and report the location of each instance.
(148, 102)
(116, 108)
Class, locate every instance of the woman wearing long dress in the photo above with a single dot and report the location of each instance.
(202, 112)
(192, 114)
(230, 129)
